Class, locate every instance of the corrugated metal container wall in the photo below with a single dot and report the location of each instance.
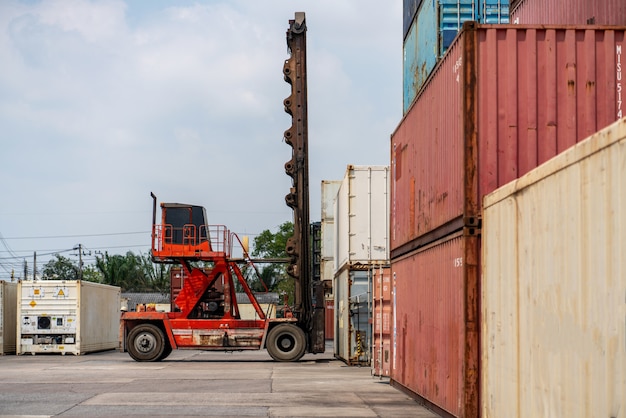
(59, 316)
(503, 100)
(432, 31)
(362, 217)
(382, 317)
(329, 194)
(8, 317)
(554, 281)
(353, 314)
(436, 318)
(569, 12)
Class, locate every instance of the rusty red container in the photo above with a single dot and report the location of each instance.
(503, 100)
(382, 321)
(329, 320)
(569, 12)
(436, 325)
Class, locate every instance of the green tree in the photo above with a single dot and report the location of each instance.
(271, 245)
(91, 274)
(133, 272)
(60, 268)
(63, 268)
(157, 274)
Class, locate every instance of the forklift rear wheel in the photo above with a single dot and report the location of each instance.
(146, 342)
(166, 351)
(286, 342)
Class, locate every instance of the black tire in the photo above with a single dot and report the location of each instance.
(146, 342)
(286, 342)
(166, 351)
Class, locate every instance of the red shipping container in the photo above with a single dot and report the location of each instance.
(329, 320)
(382, 321)
(436, 334)
(569, 12)
(503, 100)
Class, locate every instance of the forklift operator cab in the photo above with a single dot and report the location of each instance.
(183, 232)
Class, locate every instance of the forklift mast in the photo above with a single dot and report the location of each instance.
(309, 291)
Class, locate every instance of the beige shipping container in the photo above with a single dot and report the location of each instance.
(8, 318)
(63, 316)
(554, 286)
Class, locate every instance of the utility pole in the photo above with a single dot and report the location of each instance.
(35, 266)
(80, 261)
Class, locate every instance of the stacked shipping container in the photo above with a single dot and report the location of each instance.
(327, 267)
(361, 243)
(433, 27)
(570, 12)
(503, 100)
(554, 281)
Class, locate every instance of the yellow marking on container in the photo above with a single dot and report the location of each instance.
(61, 293)
(32, 303)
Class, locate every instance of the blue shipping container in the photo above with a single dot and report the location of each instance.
(433, 29)
(409, 8)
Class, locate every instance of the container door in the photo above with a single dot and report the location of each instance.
(494, 11)
(452, 14)
(341, 316)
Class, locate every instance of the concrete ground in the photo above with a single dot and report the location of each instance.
(194, 384)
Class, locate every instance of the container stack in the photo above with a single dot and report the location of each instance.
(430, 28)
(502, 100)
(361, 214)
(327, 262)
(58, 316)
(570, 12)
(8, 319)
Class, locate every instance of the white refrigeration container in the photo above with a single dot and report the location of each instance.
(8, 318)
(362, 217)
(63, 316)
(329, 194)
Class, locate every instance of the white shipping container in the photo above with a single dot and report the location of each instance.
(362, 217)
(554, 286)
(329, 194)
(59, 316)
(8, 317)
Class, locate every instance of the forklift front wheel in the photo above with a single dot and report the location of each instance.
(146, 342)
(286, 342)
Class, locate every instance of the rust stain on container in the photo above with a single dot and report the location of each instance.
(503, 100)
(382, 322)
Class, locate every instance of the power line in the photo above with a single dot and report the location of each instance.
(79, 235)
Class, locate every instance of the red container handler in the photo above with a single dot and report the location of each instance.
(436, 329)
(503, 100)
(569, 12)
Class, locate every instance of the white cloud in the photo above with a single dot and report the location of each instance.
(103, 101)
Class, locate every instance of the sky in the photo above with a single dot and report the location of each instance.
(104, 101)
